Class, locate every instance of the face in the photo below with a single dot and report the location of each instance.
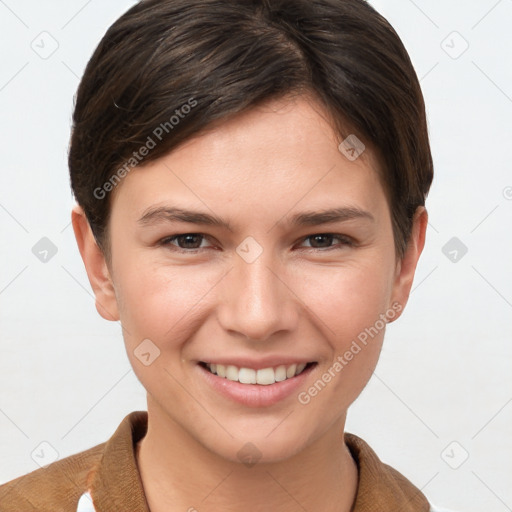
(256, 252)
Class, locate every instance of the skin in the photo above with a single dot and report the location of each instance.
(302, 297)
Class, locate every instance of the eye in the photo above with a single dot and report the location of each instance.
(325, 240)
(187, 242)
(192, 242)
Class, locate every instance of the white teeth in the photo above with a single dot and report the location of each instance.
(299, 369)
(264, 376)
(280, 372)
(247, 376)
(232, 372)
(290, 371)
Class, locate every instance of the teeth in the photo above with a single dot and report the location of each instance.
(290, 371)
(264, 377)
(232, 373)
(248, 376)
(280, 373)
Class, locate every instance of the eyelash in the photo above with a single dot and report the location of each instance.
(345, 241)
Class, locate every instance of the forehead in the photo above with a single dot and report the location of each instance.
(267, 159)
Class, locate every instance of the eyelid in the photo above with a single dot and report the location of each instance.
(166, 241)
(345, 240)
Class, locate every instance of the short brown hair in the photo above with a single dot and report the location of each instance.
(173, 67)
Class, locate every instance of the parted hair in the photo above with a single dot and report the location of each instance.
(168, 69)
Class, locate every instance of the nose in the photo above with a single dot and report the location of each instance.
(257, 302)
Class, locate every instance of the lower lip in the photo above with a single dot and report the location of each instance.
(256, 395)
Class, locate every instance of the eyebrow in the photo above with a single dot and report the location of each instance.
(169, 214)
(158, 214)
(330, 215)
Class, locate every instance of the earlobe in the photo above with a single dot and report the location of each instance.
(406, 267)
(95, 265)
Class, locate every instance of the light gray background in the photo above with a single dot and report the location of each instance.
(443, 387)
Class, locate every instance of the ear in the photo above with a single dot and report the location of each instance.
(406, 267)
(95, 265)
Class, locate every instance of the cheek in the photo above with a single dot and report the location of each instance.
(349, 308)
(159, 301)
(349, 305)
(160, 304)
(346, 299)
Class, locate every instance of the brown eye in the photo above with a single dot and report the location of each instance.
(186, 241)
(321, 241)
(325, 240)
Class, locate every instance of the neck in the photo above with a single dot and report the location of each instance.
(178, 472)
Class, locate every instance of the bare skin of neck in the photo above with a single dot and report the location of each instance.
(178, 478)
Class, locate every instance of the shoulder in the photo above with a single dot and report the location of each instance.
(63, 486)
(59, 484)
(383, 485)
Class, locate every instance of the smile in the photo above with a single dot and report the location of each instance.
(264, 376)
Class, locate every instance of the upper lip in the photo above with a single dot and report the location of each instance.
(258, 364)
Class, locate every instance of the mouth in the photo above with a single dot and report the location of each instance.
(263, 376)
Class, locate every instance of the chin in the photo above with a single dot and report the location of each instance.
(258, 446)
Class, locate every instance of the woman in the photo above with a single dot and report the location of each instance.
(251, 180)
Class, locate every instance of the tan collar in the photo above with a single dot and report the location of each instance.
(381, 487)
(115, 483)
